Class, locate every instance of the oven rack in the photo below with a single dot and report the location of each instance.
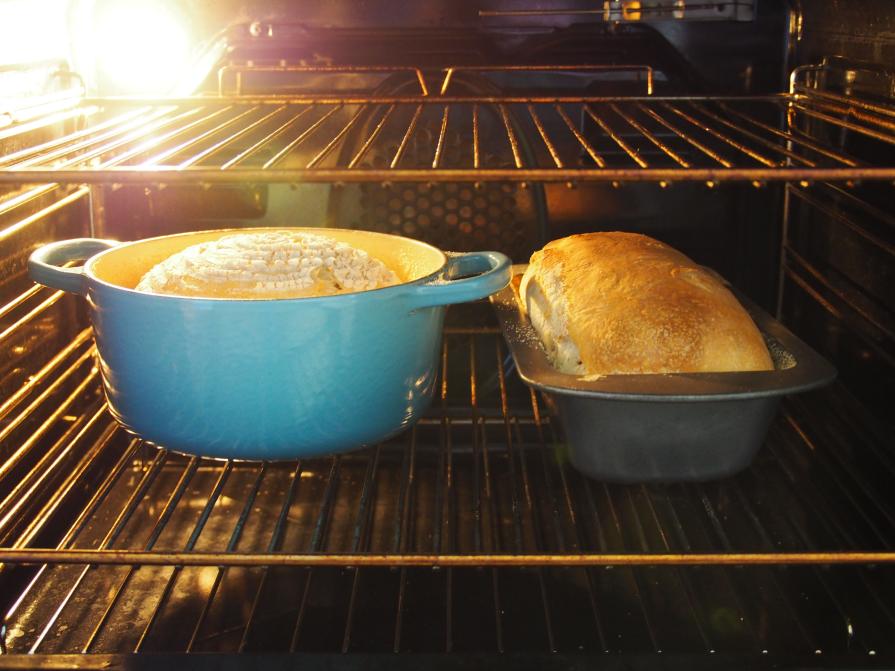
(804, 136)
(476, 485)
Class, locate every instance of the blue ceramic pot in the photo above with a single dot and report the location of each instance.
(268, 379)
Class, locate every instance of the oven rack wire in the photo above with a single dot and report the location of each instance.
(484, 458)
(475, 486)
(348, 136)
(474, 502)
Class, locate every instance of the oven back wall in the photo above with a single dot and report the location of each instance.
(858, 29)
(839, 258)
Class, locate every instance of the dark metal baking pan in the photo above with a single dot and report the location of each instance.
(663, 427)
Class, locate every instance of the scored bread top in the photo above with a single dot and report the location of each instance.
(267, 264)
(622, 303)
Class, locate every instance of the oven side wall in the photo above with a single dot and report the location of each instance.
(838, 261)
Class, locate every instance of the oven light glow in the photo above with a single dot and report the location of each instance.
(21, 41)
(142, 47)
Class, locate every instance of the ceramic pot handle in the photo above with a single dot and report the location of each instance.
(44, 265)
(490, 272)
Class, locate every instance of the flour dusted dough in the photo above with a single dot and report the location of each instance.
(619, 303)
(267, 264)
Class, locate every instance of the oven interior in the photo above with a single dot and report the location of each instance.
(757, 137)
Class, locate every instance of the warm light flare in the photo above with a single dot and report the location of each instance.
(32, 31)
(142, 47)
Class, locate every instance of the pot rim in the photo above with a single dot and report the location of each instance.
(87, 268)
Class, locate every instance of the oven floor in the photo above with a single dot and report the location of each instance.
(483, 474)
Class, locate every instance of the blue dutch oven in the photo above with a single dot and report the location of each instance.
(268, 379)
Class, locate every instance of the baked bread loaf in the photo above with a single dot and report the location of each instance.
(267, 264)
(621, 303)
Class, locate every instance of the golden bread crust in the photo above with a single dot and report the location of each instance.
(631, 304)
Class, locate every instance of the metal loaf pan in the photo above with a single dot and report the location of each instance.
(664, 427)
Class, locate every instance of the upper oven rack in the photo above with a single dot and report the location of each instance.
(438, 136)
